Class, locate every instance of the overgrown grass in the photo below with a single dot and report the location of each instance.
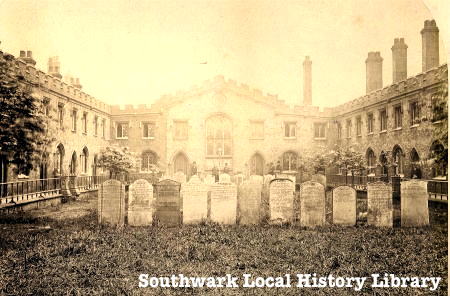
(76, 256)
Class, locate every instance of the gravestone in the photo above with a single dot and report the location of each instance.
(379, 204)
(414, 203)
(319, 178)
(168, 202)
(250, 202)
(195, 201)
(281, 200)
(256, 179)
(140, 203)
(312, 204)
(224, 178)
(223, 203)
(180, 177)
(111, 203)
(344, 206)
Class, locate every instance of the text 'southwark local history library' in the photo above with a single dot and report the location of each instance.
(222, 126)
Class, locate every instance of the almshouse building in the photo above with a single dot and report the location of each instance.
(230, 127)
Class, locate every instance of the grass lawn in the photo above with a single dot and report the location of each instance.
(71, 255)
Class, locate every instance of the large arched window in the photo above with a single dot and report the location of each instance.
(397, 160)
(148, 158)
(290, 161)
(416, 170)
(84, 160)
(58, 158)
(439, 154)
(384, 163)
(371, 161)
(257, 165)
(218, 136)
(73, 164)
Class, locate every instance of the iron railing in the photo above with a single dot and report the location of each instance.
(438, 190)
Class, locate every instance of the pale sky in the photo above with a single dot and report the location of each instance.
(132, 52)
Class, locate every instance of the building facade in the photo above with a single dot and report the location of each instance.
(226, 126)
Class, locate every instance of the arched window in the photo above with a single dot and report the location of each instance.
(73, 164)
(148, 158)
(384, 163)
(371, 161)
(58, 158)
(439, 154)
(84, 160)
(218, 136)
(43, 166)
(290, 161)
(416, 170)
(397, 160)
(180, 164)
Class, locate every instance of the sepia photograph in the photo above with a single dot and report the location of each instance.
(224, 147)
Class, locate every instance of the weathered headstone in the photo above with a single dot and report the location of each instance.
(195, 201)
(344, 206)
(319, 178)
(281, 200)
(379, 204)
(223, 203)
(111, 203)
(250, 202)
(239, 179)
(140, 203)
(312, 204)
(168, 202)
(180, 177)
(224, 178)
(414, 203)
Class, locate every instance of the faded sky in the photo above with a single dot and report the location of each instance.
(134, 51)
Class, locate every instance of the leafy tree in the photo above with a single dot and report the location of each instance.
(440, 114)
(347, 159)
(23, 124)
(117, 160)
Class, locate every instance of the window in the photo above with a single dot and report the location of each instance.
(339, 130)
(84, 122)
(61, 115)
(122, 130)
(84, 160)
(257, 129)
(95, 125)
(180, 130)
(349, 128)
(358, 126)
(397, 158)
(46, 106)
(289, 129)
(74, 120)
(414, 113)
(289, 161)
(371, 161)
(148, 130)
(218, 136)
(398, 116)
(383, 120)
(148, 159)
(103, 128)
(319, 130)
(439, 108)
(370, 123)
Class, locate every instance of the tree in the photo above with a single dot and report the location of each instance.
(440, 116)
(23, 123)
(347, 159)
(116, 159)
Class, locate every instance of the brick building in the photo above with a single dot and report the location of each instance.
(232, 127)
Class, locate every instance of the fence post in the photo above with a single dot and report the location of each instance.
(73, 186)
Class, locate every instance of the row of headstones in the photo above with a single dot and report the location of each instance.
(222, 204)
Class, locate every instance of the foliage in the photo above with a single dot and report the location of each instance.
(24, 127)
(440, 113)
(346, 158)
(116, 159)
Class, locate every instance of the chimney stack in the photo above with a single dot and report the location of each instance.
(27, 57)
(399, 60)
(307, 82)
(76, 83)
(430, 45)
(54, 67)
(374, 71)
